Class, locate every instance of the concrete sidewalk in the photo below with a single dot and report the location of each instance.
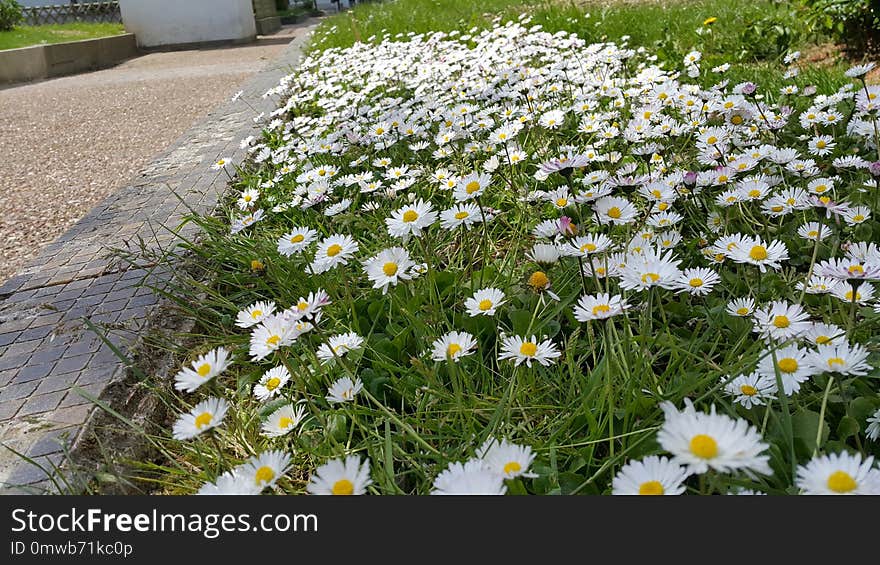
(47, 353)
(69, 142)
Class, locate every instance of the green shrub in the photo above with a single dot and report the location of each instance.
(10, 14)
(854, 22)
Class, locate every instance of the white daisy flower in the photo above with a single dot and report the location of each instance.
(283, 420)
(338, 345)
(872, 432)
(781, 321)
(466, 215)
(699, 281)
(341, 477)
(755, 252)
(204, 416)
(741, 307)
(411, 220)
(471, 186)
(525, 350)
(841, 358)
(388, 267)
(333, 251)
(204, 368)
(344, 390)
(296, 241)
(839, 473)
(751, 390)
(599, 307)
(614, 210)
(507, 459)
(653, 475)
(270, 335)
(271, 383)
(230, 483)
(470, 478)
(454, 346)
(254, 314)
(792, 364)
(484, 302)
(265, 469)
(704, 441)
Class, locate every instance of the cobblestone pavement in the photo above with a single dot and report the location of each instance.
(50, 361)
(69, 142)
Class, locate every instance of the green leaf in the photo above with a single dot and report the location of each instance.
(805, 427)
(847, 427)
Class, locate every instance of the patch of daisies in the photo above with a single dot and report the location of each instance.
(638, 182)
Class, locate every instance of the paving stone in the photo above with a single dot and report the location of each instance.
(72, 364)
(55, 382)
(17, 390)
(9, 409)
(52, 442)
(30, 372)
(41, 403)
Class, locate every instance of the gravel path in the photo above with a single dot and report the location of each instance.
(69, 142)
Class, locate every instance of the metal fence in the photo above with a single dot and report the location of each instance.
(67, 13)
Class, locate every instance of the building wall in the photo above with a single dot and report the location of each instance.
(175, 22)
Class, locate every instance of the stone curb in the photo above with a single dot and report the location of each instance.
(51, 362)
(57, 59)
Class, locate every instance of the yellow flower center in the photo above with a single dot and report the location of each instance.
(589, 247)
(538, 280)
(512, 467)
(856, 270)
(203, 420)
(334, 250)
(736, 120)
(704, 447)
(821, 188)
(472, 187)
(264, 474)
(781, 322)
(601, 309)
(256, 314)
(841, 481)
(748, 390)
(390, 269)
(858, 218)
(822, 339)
(652, 277)
(302, 305)
(461, 215)
(343, 487)
(561, 202)
(696, 282)
(284, 422)
(410, 216)
(485, 304)
(248, 198)
(788, 365)
(651, 488)
(813, 234)
(453, 349)
(273, 340)
(836, 361)
(380, 131)
(273, 383)
(742, 311)
(712, 140)
(614, 212)
(204, 369)
(297, 238)
(528, 349)
(849, 295)
(754, 193)
(758, 253)
(821, 144)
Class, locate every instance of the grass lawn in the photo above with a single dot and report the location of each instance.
(25, 36)
(751, 35)
(522, 262)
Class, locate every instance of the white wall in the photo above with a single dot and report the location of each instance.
(173, 22)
